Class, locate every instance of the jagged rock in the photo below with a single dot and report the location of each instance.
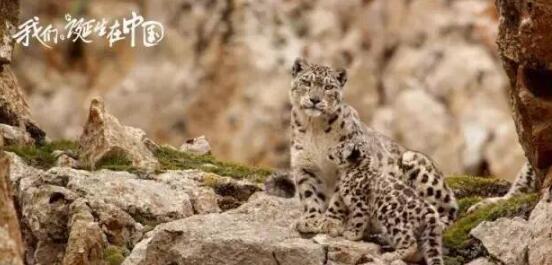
(64, 160)
(118, 226)
(86, 242)
(45, 209)
(11, 244)
(14, 109)
(104, 136)
(481, 261)
(258, 232)
(9, 12)
(540, 244)
(10, 135)
(505, 239)
(524, 46)
(198, 146)
(145, 200)
(204, 199)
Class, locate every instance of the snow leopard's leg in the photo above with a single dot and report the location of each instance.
(310, 189)
(525, 183)
(335, 215)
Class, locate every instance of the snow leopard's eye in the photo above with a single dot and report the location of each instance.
(306, 82)
(328, 87)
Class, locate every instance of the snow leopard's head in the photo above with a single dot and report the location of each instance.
(316, 89)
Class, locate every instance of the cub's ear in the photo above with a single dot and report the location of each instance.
(299, 66)
(341, 76)
(354, 156)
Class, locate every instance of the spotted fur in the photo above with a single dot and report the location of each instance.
(420, 173)
(321, 120)
(368, 197)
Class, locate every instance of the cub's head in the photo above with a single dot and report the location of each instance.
(349, 153)
(316, 89)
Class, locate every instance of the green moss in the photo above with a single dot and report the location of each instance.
(465, 186)
(465, 203)
(117, 161)
(172, 160)
(113, 255)
(457, 237)
(40, 156)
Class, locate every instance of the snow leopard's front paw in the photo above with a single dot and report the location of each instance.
(309, 224)
(332, 226)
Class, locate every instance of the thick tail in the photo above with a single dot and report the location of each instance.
(280, 184)
(432, 240)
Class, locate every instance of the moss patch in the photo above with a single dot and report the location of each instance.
(40, 156)
(465, 203)
(457, 239)
(172, 160)
(115, 161)
(464, 186)
(113, 255)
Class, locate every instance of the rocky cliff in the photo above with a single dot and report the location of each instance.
(130, 201)
(425, 72)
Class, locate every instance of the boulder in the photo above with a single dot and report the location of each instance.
(505, 239)
(524, 45)
(258, 232)
(86, 242)
(540, 228)
(104, 136)
(14, 110)
(10, 135)
(145, 200)
(11, 244)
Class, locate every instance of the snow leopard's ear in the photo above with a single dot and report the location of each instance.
(299, 66)
(341, 76)
(355, 155)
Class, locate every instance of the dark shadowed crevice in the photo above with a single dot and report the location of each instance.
(538, 81)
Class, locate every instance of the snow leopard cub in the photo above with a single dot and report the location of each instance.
(367, 197)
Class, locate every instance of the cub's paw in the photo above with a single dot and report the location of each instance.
(485, 202)
(309, 224)
(332, 226)
(353, 235)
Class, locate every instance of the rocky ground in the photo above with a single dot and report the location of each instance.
(130, 201)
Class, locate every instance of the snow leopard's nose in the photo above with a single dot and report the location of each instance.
(314, 100)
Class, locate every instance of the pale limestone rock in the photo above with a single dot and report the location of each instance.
(505, 239)
(86, 241)
(104, 135)
(197, 146)
(258, 232)
(11, 135)
(481, 261)
(144, 200)
(540, 227)
(66, 161)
